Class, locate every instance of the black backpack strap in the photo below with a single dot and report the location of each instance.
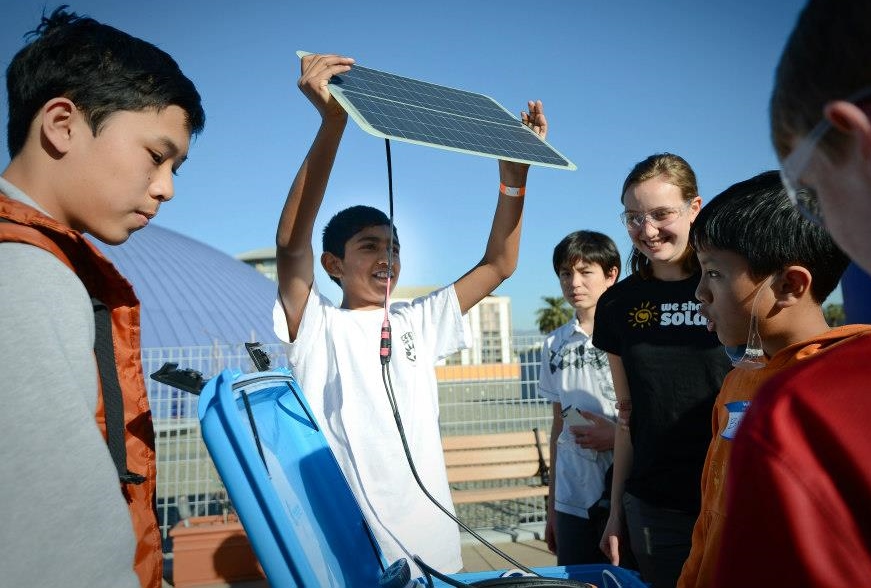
(113, 401)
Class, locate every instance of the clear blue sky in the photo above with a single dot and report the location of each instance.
(620, 80)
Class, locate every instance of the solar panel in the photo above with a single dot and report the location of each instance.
(395, 107)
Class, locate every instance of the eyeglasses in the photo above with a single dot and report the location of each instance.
(803, 197)
(658, 217)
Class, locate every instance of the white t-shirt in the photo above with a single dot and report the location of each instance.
(577, 375)
(336, 360)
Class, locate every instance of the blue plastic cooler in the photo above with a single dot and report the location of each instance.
(301, 518)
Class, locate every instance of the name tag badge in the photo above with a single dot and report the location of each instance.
(736, 415)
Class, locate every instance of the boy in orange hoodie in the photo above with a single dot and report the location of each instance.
(766, 271)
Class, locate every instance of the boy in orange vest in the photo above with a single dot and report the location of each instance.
(99, 121)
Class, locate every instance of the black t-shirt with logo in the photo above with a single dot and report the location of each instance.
(674, 368)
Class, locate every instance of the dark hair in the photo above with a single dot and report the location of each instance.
(756, 220)
(347, 223)
(675, 170)
(589, 246)
(100, 69)
(826, 58)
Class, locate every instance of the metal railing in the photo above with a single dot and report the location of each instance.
(472, 399)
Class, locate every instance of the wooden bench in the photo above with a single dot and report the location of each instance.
(497, 456)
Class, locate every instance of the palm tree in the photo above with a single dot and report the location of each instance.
(834, 314)
(556, 312)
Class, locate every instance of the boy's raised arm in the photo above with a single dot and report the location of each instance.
(503, 245)
(293, 239)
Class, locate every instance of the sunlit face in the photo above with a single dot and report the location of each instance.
(582, 284)
(726, 291)
(664, 245)
(844, 193)
(120, 178)
(363, 271)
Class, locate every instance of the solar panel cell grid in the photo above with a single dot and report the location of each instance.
(370, 82)
(397, 107)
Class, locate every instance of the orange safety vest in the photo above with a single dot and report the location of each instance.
(103, 281)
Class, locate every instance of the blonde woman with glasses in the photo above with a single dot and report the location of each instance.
(667, 368)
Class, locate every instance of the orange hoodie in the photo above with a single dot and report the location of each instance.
(739, 387)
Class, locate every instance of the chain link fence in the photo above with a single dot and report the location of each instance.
(473, 399)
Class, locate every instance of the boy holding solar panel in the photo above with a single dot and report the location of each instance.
(335, 350)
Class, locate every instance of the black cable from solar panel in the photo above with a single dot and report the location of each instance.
(388, 385)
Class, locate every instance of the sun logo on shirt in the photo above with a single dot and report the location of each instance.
(643, 316)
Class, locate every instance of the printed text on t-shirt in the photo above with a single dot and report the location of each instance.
(668, 314)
